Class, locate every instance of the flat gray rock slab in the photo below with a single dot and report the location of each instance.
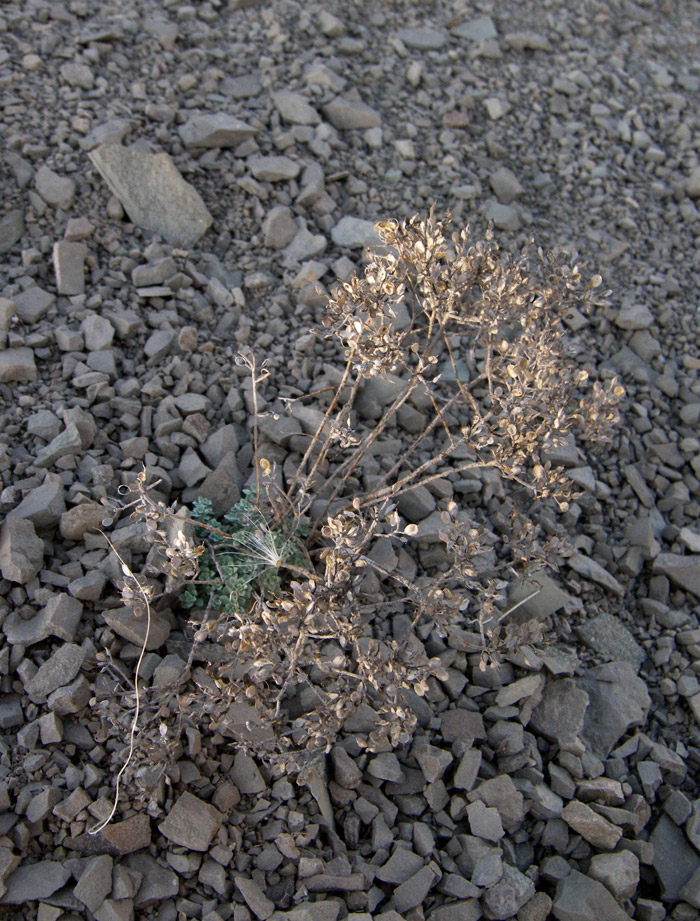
(608, 636)
(17, 365)
(675, 861)
(580, 898)
(35, 881)
(153, 193)
(217, 129)
(683, 571)
(560, 715)
(618, 701)
(191, 823)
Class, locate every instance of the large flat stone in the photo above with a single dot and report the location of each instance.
(618, 700)
(153, 193)
(580, 898)
(683, 571)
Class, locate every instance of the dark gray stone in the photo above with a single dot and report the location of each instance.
(618, 701)
(580, 898)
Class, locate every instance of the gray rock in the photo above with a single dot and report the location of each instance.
(11, 714)
(527, 41)
(468, 769)
(216, 129)
(159, 344)
(95, 882)
(57, 191)
(559, 717)
(402, 865)
(354, 233)
(683, 571)
(511, 892)
(588, 568)
(17, 365)
(505, 184)
(153, 273)
(21, 551)
(44, 424)
(691, 890)
(59, 617)
(580, 898)
(246, 775)
(295, 108)
(484, 822)
(416, 504)
(97, 331)
(415, 890)
(501, 793)
(423, 38)
(191, 823)
(274, 169)
(162, 30)
(591, 826)
(505, 217)
(346, 114)
(153, 193)
(305, 245)
(44, 505)
(157, 883)
(634, 316)
(67, 443)
(58, 670)
(123, 622)
(255, 898)
(279, 227)
(345, 770)
(33, 882)
(617, 872)
(618, 700)
(7, 312)
(11, 229)
(76, 74)
(115, 910)
(71, 698)
(674, 860)
(609, 637)
(69, 266)
(477, 30)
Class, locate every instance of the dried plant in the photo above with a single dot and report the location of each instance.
(288, 601)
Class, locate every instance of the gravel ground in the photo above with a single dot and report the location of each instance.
(181, 180)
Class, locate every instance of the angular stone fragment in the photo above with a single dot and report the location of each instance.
(44, 504)
(191, 823)
(274, 169)
(423, 38)
(346, 114)
(95, 882)
(560, 715)
(477, 30)
(157, 883)
(415, 890)
(511, 892)
(81, 518)
(35, 881)
(589, 569)
(634, 316)
(295, 108)
(618, 700)
(215, 129)
(68, 264)
(57, 191)
(608, 636)
(120, 838)
(17, 365)
(255, 898)
(33, 303)
(279, 227)
(591, 826)
(354, 233)
(11, 229)
(125, 624)
(58, 670)
(501, 793)
(505, 184)
(153, 193)
(683, 571)
(21, 551)
(617, 872)
(71, 698)
(59, 617)
(674, 860)
(401, 866)
(580, 898)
